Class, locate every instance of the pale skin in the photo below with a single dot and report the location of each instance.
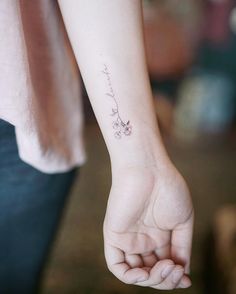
(149, 217)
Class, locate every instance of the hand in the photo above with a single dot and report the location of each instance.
(148, 227)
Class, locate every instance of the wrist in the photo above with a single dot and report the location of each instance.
(143, 148)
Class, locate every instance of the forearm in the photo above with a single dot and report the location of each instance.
(107, 39)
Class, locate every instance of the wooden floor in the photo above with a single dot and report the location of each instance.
(77, 264)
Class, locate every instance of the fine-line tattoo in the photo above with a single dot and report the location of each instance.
(120, 127)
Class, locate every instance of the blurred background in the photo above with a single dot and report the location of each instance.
(191, 52)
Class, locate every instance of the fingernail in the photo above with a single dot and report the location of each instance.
(165, 273)
(141, 279)
(185, 283)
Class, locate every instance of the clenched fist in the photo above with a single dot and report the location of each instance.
(148, 227)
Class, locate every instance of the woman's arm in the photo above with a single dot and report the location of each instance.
(107, 39)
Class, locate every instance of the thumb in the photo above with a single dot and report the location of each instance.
(181, 243)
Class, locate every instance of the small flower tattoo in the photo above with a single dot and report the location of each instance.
(120, 127)
(116, 125)
(117, 135)
(127, 129)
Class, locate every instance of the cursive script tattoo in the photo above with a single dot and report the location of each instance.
(120, 127)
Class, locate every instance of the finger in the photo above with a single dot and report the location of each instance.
(116, 263)
(158, 273)
(181, 243)
(149, 259)
(172, 280)
(134, 260)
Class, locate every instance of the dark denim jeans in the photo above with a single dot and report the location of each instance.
(31, 203)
